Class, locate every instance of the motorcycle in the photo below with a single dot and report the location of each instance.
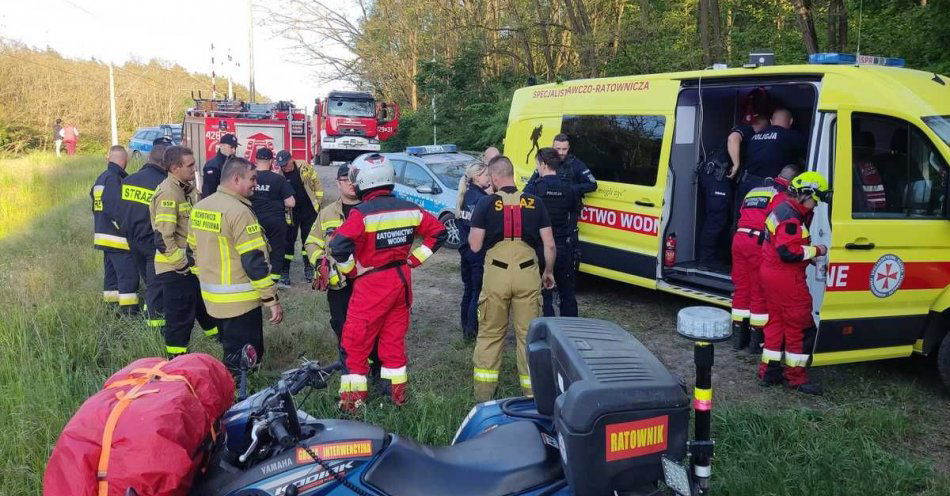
(606, 418)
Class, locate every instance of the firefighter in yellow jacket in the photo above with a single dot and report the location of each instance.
(512, 225)
(170, 210)
(231, 256)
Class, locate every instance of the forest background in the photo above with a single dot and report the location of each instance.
(456, 63)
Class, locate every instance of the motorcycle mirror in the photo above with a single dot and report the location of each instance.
(248, 356)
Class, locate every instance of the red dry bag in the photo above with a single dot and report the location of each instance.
(145, 430)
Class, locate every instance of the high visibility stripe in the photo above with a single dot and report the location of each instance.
(225, 253)
(226, 288)
(796, 359)
(347, 266)
(525, 381)
(396, 376)
(194, 269)
(110, 241)
(422, 252)
(211, 332)
(771, 355)
(128, 299)
(759, 319)
(137, 194)
(761, 194)
(352, 383)
(97, 191)
(155, 322)
(702, 399)
(192, 240)
(771, 224)
(176, 256)
(170, 218)
(275, 277)
(243, 296)
(289, 256)
(486, 375)
(392, 220)
(330, 224)
(739, 315)
(176, 350)
(110, 296)
(316, 256)
(251, 245)
(313, 240)
(809, 252)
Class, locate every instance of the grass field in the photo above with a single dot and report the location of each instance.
(882, 428)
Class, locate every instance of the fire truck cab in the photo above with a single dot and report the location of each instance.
(278, 126)
(350, 123)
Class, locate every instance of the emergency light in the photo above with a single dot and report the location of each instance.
(852, 59)
(430, 149)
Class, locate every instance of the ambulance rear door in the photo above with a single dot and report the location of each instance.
(888, 258)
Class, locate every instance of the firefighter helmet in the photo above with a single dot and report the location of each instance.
(811, 183)
(372, 170)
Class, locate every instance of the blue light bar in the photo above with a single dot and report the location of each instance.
(430, 149)
(851, 59)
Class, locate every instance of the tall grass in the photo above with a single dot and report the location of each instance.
(58, 343)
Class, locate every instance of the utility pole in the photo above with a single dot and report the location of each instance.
(250, 41)
(230, 73)
(112, 114)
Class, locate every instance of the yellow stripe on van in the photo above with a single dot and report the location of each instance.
(618, 276)
(839, 357)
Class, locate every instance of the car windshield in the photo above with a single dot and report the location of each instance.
(940, 124)
(448, 167)
(351, 107)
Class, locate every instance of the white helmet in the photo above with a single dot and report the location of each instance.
(372, 170)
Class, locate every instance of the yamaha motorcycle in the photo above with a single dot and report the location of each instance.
(607, 418)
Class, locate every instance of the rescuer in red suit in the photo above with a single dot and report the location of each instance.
(790, 331)
(374, 245)
(749, 311)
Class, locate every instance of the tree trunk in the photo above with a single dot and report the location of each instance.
(580, 23)
(806, 23)
(837, 25)
(545, 40)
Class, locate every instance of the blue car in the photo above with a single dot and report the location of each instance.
(429, 177)
(141, 142)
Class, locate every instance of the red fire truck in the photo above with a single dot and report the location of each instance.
(278, 126)
(349, 123)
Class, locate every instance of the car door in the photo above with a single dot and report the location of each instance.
(619, 223)
(419, 187)
(888, 257)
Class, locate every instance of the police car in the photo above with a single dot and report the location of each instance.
(141, 142)
(429, 177)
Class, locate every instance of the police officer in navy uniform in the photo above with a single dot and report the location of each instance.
(135, 223)
(558, 198)
(474, 185)
(769, 150)
(273, 196)
(716, 187)
(211, 172)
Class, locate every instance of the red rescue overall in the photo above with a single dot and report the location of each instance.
(790, 332)
(378, 234)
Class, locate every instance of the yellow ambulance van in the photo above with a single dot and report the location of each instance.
(885, 292)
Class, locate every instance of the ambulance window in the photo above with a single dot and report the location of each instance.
(415, 176)
(618, 148)
(897, 172)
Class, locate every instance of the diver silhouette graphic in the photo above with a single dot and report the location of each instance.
(535, 136)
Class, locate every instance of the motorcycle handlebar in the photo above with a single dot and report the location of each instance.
(278, 430)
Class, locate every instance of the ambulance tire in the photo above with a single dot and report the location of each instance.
(324, 158)
(943, 361)
(452, 240)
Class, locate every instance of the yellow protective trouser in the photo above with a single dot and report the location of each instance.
(511, 286)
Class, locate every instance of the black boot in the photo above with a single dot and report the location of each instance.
(740, 334)
(756, 337)
(285, 276)
(809, 388)
(307, 269)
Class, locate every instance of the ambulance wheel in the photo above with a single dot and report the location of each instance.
(324, 158)
(943, 361)
(453, 238)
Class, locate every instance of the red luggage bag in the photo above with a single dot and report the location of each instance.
(145, 430)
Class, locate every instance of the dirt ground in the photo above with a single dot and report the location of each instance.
(651, 317)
